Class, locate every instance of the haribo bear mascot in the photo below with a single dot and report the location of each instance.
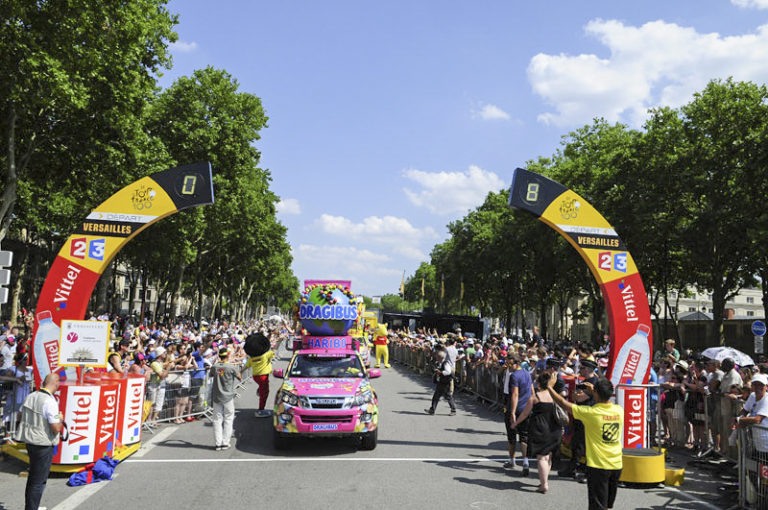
(381, 341)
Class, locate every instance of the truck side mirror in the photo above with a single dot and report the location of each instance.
(278, 372)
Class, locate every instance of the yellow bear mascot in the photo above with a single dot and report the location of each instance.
(381, 341)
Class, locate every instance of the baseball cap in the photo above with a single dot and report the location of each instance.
(760, 378)
(223, 352)
(682, 365)
(160, 351)
(152, 342)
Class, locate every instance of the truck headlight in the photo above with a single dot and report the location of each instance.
(289, 398)
(366, 417)
(363, 398)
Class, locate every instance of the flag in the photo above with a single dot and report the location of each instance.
(402, 286)
(442, 287)
(422, 287)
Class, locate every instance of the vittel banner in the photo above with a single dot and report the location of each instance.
(609, 261)
(107, 421)
(634, 417)
(131, 409)
(80, 405)
(86, 253)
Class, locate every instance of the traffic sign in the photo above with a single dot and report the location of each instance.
(759, 345)
(758, 328)
(6, 258)
(5, 276)
(3, 295)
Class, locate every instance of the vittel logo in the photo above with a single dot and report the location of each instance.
(64, 289)
(630, 368)
(635, 414)
(628, 298)
(108, 416)
(78, 429)
(52, 352)
(134, 408)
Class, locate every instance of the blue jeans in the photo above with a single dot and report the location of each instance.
(40, 458)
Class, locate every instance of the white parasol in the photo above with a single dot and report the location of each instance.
(720, 353)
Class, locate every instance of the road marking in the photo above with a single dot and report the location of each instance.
(157, 438)
(321, 459)
(79, 497)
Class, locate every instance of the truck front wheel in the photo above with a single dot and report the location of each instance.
(368, 441)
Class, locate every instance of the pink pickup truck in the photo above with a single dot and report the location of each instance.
(326, 392)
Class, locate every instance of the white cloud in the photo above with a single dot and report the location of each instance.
(451, 192)
(344, 261)
(658, 63)
(183, 47)
(757, 4)
(288, 206)
(490, 112)
(389, 230)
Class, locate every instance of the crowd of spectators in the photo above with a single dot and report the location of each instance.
(699, 398)
(173, 355)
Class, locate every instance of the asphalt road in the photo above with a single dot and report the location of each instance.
(424, 462)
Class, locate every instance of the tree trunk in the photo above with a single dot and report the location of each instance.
(18, 284)
(101, 290)
(718, 304)
(177, 290)
(9, 194)
(764, 280)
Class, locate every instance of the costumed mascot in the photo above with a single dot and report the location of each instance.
(381, 341)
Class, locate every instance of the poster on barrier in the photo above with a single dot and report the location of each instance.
(131, 408)
(81, 406)
(84, 343)
(107, 421)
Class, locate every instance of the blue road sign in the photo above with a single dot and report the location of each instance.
(758, 328)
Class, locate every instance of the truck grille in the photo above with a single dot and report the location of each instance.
(322, 418)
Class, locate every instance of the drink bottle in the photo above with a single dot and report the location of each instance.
(631, 365)
(46, 344)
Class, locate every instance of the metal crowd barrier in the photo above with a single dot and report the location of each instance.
(753, 467)
(482, 382)
(183, 394)
(13, 396)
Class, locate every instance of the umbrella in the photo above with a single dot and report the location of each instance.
(256, 344)
(720, 353)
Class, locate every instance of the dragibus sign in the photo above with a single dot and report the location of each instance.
(328, 312)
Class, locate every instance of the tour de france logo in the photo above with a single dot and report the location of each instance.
(569, 208)
(143, 197)
(610, 432)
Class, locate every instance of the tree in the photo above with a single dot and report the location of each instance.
(722, 164)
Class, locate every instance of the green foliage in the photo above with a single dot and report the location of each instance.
(82, 118)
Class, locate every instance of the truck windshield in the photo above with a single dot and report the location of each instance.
(326, 366)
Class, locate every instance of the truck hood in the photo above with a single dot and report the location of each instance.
(326, 386)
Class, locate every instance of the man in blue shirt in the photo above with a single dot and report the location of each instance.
(517, 391)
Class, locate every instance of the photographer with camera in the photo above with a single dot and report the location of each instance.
(443, 379)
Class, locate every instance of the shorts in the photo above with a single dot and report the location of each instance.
(194, 391)
(520, 432)
(157, 397)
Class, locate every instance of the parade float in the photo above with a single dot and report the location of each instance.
(326, 388)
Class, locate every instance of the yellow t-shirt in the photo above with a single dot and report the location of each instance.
(261, 365)
(603, 424)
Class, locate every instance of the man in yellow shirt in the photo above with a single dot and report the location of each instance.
(603, 425)
(261, 367)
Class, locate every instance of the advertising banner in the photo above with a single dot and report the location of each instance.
(609, 261)
(83, 343)
(80, 405)
(85, 254)
(131, 409)
(107, 421)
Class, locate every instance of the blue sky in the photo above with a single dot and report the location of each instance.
(390, 119)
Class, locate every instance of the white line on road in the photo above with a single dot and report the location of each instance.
(79, 497)
(160, 436)
(324, 459)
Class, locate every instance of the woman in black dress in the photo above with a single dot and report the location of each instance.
(544, 432)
